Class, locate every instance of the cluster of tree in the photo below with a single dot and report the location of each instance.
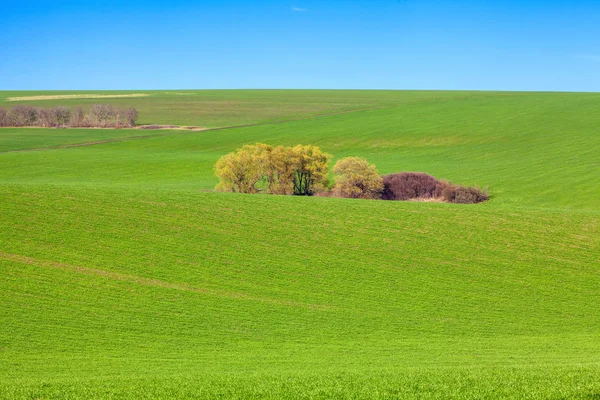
(303, 170)
(98, 115)
(299, 170)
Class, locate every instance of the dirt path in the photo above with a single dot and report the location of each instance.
(180, 131)
(76, 96)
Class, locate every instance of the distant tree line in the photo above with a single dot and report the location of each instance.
(303, 170)
(97, 116)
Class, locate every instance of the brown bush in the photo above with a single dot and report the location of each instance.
(462, 194)
(77, 118)
(60, 116)
(99, 115)
(410, 185)
(3, 117)
(130, 115)
(421, 186)
(22, 116)
(43, 118)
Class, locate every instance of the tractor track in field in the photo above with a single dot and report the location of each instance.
(157, 283)
(180, 131)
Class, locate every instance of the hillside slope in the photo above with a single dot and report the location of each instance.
(124, 276)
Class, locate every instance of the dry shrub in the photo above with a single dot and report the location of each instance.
(424, 187)
(43, 118)
(3, 117)
(410, 185)
(463, 194)
(99, 115)
(78, 118)
(131, 116)
(60, 116)
(22, 116)
(105, 115)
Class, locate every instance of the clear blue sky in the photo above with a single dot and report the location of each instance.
(377, 44)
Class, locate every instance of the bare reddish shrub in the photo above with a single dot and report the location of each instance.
(418, 185)
(101, 115)
(462, 194)
(60, 116)
(22, 116)
(43, 118)
(130, 115)
(3, 117)
(77, 118)
(118, 121)
(410, 185)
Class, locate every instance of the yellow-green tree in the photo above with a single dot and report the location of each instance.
(356, 178)
(242, 170)
(310, 168)
(299, 170)
(280, 173)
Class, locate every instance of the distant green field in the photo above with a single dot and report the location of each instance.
(124, 276)
(217, 108)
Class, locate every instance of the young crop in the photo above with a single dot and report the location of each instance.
(122, 276)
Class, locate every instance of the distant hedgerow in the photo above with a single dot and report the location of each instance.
(3, 117)
(98, 116)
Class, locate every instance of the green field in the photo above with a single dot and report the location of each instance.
(123, 275)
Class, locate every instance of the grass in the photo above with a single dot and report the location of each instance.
(20, 139)
(124, 276)
(219, 108)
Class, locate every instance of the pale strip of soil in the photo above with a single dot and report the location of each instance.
(76, 96)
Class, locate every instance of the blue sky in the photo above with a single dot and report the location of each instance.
(377, 44)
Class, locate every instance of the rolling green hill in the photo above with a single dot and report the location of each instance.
(124, 276)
